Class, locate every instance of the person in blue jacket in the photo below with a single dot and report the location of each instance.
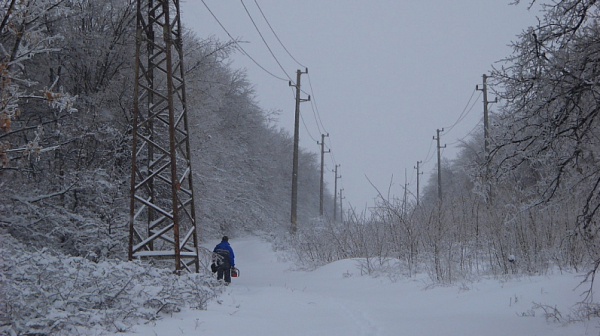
(225, 259)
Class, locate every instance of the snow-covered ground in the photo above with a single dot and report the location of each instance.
(270, 299)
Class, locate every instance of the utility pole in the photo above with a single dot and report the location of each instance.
(439, 157)
(486, 131)
(322, 187)
(405, 190)
(341, 207)
(486, 126)
(296, 141)
(418, 173)
(335, 192)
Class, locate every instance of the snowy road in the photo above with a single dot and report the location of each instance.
(269, 299)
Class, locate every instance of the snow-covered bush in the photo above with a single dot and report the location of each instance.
(46, 293)
(321, 242)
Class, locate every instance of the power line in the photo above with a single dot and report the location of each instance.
(332, 156)
(427, 158)
(462, 116)
(464, 113)
(277, 37)
(316, 108)
(333, 160)
(240, 47)
(468, 134)
(312, 105)
(265, 41)
(306, 128)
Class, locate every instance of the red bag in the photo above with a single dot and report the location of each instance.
(235, 272)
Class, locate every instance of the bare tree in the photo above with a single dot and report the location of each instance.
(548, 127)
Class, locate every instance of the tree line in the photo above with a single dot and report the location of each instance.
(66, 128)
(528, 205)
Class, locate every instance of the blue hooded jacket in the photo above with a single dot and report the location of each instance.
(224, 245)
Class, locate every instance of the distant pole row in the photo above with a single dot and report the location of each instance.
(294, 200)
(486, 144)
(323, 151)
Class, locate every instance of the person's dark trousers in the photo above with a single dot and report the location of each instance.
(224, 270)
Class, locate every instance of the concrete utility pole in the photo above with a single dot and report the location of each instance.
(439, 157)
(405, 190)
(341, 207)
(322, 187)
(486, 125)
(418, 173)
(335, 192)
(296, 141)
(486, 132)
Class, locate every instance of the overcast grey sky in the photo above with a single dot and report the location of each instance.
(384, 75)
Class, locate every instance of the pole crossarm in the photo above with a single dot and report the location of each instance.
(162, 197)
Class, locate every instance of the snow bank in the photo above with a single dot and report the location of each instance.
(272, 299)
(45, 293)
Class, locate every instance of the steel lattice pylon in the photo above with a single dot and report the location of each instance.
(162, 217)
